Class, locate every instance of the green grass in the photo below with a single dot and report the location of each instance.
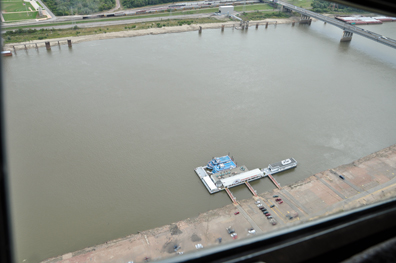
(20, 16)
(15, 6)
(301, 3)
(263, 15)
(240, 8)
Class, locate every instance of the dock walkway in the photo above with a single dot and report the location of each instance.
(251, 188)
(233, 199)
(274, 181)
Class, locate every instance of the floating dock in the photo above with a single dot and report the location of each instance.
(222, 173)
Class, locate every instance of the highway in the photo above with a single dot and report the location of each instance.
(344, 26)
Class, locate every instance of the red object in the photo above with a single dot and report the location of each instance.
(267, 214)
(278, 199)
(236, 213)
(280, 202)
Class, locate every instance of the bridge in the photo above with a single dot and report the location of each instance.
(349, 30)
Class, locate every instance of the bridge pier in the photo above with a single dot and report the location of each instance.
(305, 19)
(48, 45)
(346, 37)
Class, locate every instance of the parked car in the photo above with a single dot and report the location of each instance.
(236, 213)
(258, 202)
(342, 177)
(269, 217)
(251, 231)
(272, 206)
(268, 214)
(273, 222)
(234, 235)
(281, 202)
(275, 196)
(198, 246)
(278, 199)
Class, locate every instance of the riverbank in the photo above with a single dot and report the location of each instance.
(367, 180)
(142, 32)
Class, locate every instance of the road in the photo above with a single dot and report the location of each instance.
(53, 17)
(118, 6)
(127, 12)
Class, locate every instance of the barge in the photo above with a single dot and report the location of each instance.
(6, 53)
(280, 166)
(222, 173)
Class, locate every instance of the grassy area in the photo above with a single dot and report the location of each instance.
(240, 8)
(301, 3)
(22, 35)
(263, 15)
(20, 16)
(15, 6)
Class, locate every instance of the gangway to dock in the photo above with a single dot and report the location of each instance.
(251, 188)
(274, 181)
(233, 199)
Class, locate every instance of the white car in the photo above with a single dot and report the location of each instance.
(198, 246)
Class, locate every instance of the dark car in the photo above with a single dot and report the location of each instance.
(278, 199)
(342, 177)
(272, 206)
(275, 196)
(262, 208)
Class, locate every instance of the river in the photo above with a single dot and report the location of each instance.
(103, 139)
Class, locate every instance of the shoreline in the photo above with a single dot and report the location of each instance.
(142, 32)
(367, 180)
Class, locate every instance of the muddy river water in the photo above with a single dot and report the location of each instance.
(103, 139)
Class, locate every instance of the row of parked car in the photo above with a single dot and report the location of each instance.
(265, 212)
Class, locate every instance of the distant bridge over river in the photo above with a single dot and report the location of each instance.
(349, 30)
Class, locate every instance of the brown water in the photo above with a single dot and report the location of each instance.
(103, 139)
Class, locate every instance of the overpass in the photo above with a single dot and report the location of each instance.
(349, 30)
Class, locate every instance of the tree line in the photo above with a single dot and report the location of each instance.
(139, 3)
(320, 6)
(80, 7)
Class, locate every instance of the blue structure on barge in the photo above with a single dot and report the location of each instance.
(218, 164)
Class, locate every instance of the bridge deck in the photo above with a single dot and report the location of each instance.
(344, 26)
